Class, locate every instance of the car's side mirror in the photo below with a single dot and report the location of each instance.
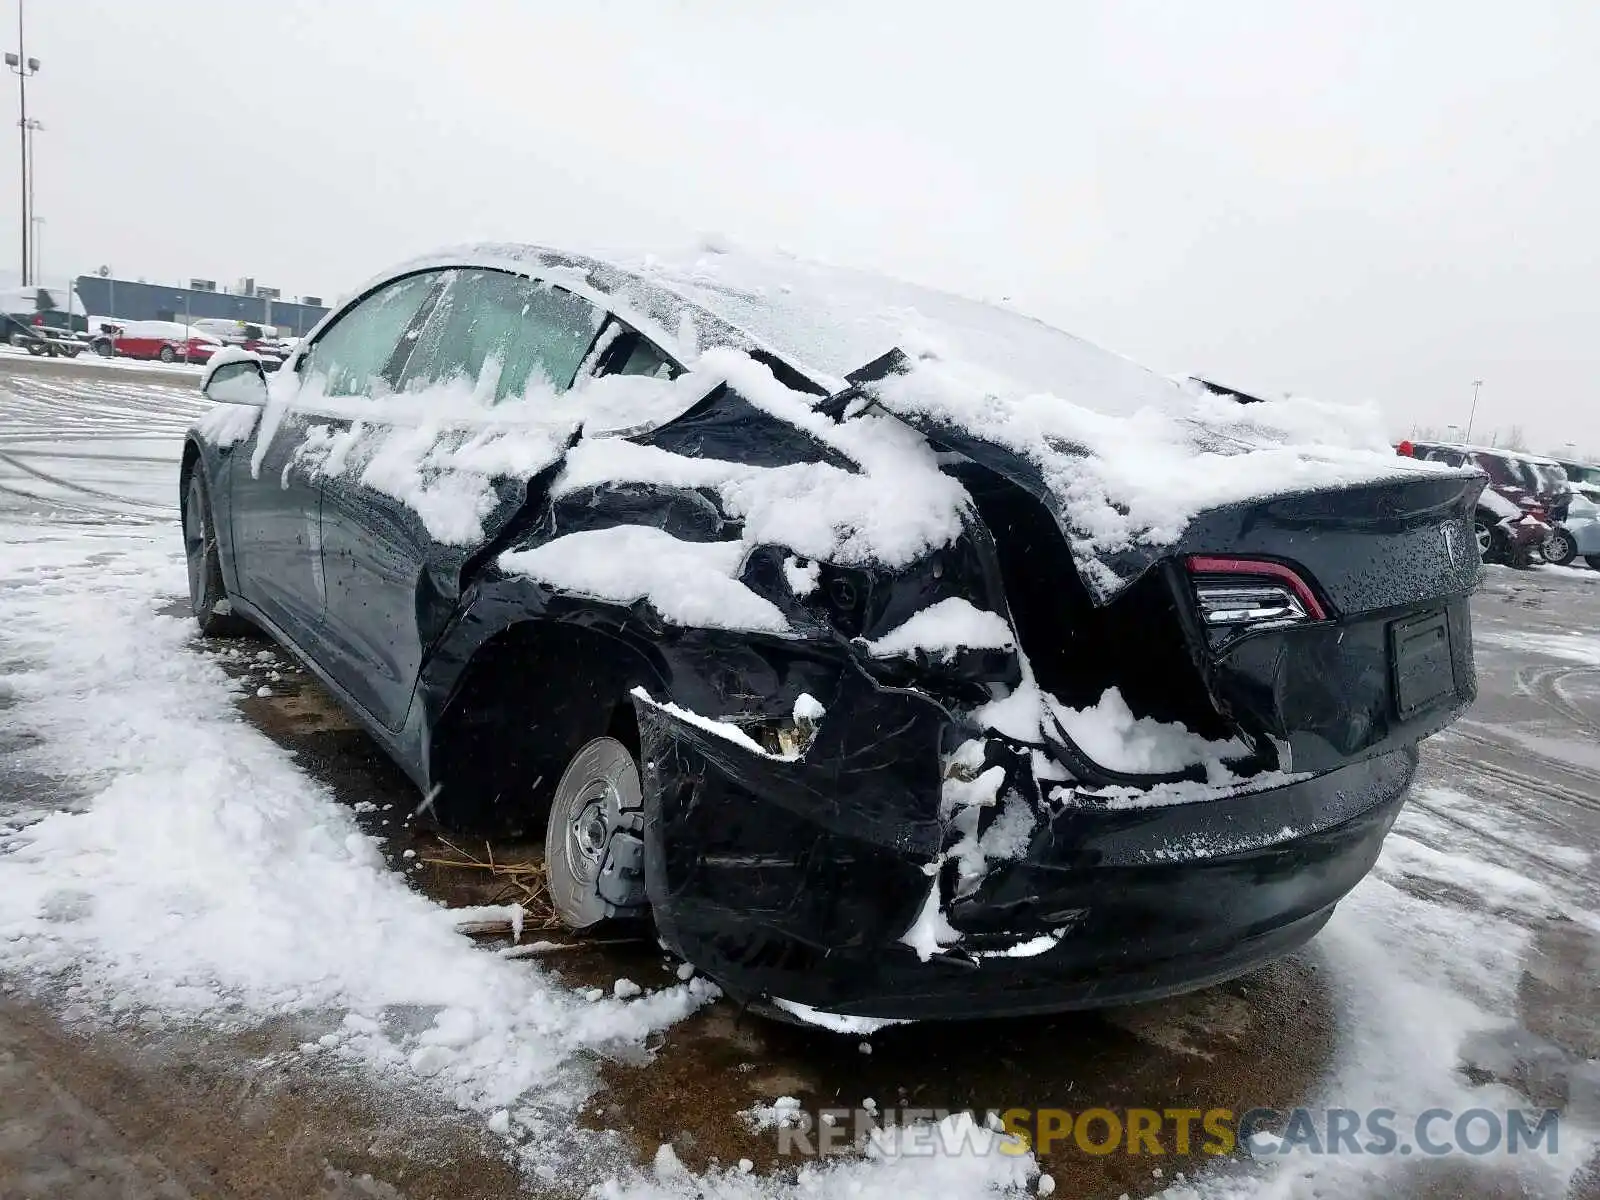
(237, 381)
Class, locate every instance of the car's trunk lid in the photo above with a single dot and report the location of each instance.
(1379, 654)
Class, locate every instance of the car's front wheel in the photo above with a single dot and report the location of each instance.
(593, 848)
(1559, 548)
(1593, 560)
(208, 598)
(1488, 539)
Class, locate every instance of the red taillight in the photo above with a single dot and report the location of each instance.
(1285, 578)
(38, 320)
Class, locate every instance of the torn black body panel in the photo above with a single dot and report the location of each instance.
(758, 867)
(783, 880)
(1327, 694)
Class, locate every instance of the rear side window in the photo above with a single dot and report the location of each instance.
(352, 355)
(1497, 469)
(638, 356)
(500, 333)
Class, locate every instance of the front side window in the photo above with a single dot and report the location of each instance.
(351, 356)
(500, 333)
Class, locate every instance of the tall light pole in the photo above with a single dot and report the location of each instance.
(23, 68)
(30, 130)
(1471, 416)
(38, 255)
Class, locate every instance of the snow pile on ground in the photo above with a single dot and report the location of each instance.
(208, 878)
(952, 1159)
(204, 877)
(1417, 986)
(1572, 646)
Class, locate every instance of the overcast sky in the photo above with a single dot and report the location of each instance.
(1354, 200)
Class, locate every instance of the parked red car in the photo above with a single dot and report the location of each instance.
(1513, 518)
(166, 341)
(260, 340)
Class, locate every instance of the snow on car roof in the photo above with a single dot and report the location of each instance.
(1504, 452)
(826, 321)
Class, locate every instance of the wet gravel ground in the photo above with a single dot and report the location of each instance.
(136, 1112)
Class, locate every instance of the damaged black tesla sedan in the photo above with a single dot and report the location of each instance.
(898, 656)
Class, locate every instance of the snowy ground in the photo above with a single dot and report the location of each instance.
(138, 366)
(204, 883)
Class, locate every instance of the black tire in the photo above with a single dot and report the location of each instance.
(208, 598)
(593, 852)
(1560, 548)
(1593, 560)
(1491, 539)
(38, 349)
(103, 348)
(168, 354)
(72, 352)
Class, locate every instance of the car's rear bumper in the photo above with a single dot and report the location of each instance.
(797, 881)
(1527, 533)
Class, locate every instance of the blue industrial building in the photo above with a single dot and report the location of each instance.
(131, 301)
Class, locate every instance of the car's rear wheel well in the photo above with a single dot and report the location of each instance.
(190, 464)
(529, 699)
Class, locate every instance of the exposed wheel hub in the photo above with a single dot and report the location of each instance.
(590, 828)
(593, 847)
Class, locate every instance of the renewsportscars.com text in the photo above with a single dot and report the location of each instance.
(1260, 1132)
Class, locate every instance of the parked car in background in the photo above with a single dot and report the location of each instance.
(41, 321)
(1512, 522)
(163, 341)
(1545, 478)
(263, 341)
(814, 653)
(1584, 477)
(1576, 533)
(1571, 492)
